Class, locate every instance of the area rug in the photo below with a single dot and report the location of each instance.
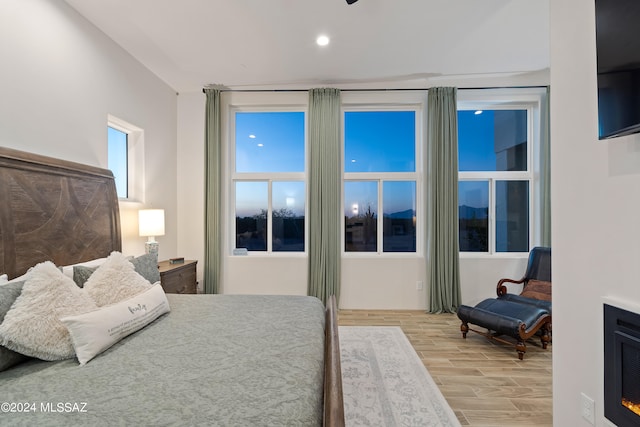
(385, 383)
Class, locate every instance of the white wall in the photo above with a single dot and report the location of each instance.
(595, 203)
(60, 78)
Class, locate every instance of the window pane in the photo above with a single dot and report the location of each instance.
(473, 212)
(270, 142)
(399, 207)
(493, 140)
(512, 216)
(380, 141)
(117, 159)
(288, 216)
(251, 215)
(361, 213)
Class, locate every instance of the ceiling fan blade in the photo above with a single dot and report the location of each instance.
(351, 1)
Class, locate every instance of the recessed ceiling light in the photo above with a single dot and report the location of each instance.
(322, 40)
(478, 112)
(260, 145)
(252, 136)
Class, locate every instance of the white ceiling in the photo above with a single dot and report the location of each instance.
(271, 43)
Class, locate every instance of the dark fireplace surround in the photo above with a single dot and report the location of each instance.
(621, 366)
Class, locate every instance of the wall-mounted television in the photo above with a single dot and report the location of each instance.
(618, 57)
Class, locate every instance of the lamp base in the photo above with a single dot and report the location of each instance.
(151, 248)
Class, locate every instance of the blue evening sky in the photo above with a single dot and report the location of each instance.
(473, 193)
(379, 141)
(117, 159)
(475, 141)
(375, 141)
(270, 142)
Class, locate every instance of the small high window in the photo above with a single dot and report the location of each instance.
(125, 154)
(118, 160)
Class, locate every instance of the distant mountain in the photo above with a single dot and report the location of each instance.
(464, 212)
(408, 214)
(468, 212)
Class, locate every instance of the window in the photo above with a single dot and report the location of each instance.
(269, 180)
(495, 179)
(380, 180)
(383, 176)
(125, 149)
(117, 161)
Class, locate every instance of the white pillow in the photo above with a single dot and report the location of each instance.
(15, 279)
(115, 280)
(3, 279)
(94, 332)
(32, 326)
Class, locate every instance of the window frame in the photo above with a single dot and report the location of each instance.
(268, 177)
(531, 99)
(135, 158)
(508, 99)
(387, 101)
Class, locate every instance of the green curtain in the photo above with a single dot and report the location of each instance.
(545, 172)
(324, 193)
(442, 200)
(213, 191)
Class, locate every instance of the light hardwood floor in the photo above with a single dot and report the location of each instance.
(483, 381)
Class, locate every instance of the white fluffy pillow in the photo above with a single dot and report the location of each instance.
(94, 332)
(32, 326)
(115, 280)
(3, 279)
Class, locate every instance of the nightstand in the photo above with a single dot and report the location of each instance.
(178, 278)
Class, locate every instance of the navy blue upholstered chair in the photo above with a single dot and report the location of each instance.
(536, 281)
(518, 316)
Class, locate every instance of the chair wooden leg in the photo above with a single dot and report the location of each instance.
(521, 348)
(544, 337)
(464, 328)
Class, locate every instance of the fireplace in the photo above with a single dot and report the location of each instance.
(621, 366)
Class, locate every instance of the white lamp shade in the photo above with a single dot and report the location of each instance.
(151, 222)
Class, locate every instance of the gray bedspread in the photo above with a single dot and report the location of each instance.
(214, 360)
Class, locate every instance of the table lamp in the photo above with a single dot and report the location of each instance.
(151, 224)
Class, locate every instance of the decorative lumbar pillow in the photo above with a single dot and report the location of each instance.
(94, 332)
(8, 294)
(537, 289)
(147, 266)
(115, 280)
(32, 326)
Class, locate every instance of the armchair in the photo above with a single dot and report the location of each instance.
(518, 316)
(536, 281)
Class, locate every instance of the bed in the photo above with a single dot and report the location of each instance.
(228, 360)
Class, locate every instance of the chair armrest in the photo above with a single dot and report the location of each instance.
(501, 289)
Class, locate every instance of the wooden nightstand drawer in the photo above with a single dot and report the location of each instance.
(178, 278)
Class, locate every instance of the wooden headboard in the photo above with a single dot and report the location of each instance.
(54, 210)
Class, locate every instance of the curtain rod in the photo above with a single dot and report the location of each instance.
(382, 90)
